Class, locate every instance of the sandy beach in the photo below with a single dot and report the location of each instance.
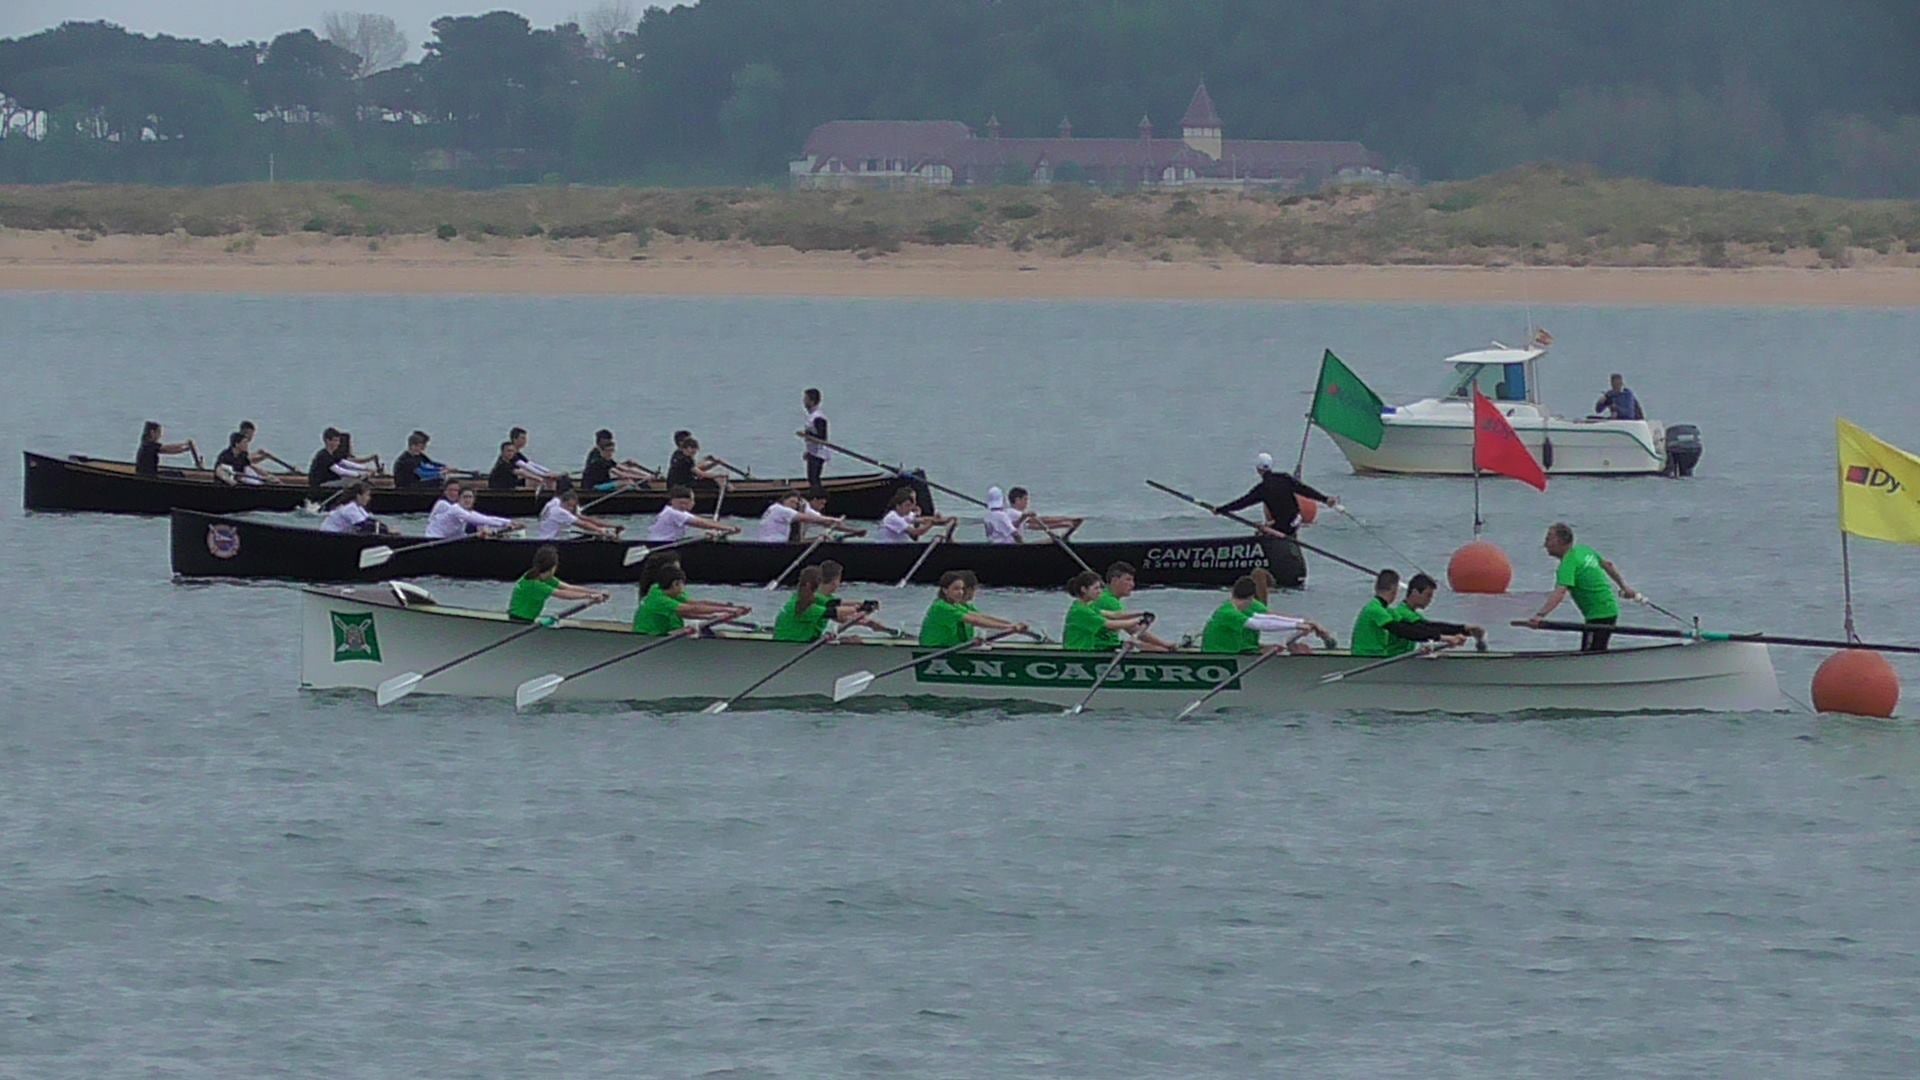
(45, 260)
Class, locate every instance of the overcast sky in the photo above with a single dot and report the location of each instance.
(242, 20)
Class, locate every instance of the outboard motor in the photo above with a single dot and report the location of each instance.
(1683, 449)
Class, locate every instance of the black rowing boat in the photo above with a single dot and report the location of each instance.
(216, 546)
(113, 487)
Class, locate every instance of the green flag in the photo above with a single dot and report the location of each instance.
(1343, 405)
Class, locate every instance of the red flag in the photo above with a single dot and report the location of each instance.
(1497, 449)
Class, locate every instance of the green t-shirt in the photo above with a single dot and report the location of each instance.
(1227, 632)
(1108, 604)
(808, 625)
(945, 624)
(530, 597)
(658, 614)
(1584, 579)
(1370, 636)
(1083, 630)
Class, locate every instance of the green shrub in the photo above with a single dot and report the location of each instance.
(1019, 211)
(446, 231)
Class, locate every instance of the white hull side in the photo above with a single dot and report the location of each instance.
(692, 672)
(1444, 447)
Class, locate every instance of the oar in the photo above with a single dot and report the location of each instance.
(797, 560)
(621, 490)
(721, 500)
(744, 474)
(541, 687)
(1194, 705)
(847, 686)
(1378, 539)
(825, 639)
(1424, 650)
(195, 451)
(380, 554)
(1641, 598)
(639, 552)
(401, 685)
(1710, 635)
(919, 562)
(1101, 680)
(1207, 506)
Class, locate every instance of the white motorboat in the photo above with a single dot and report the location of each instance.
(357, 637)
(1434, 436)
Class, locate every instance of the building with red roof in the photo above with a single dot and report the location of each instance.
(943, 153)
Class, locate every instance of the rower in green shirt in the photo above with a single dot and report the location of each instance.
(1120, 585)
(1386, 629)
(1235, 627)
(813, 605)
(1583, 574)
(664, 604)
(951, 620)
(542, 582)
(1088, 628)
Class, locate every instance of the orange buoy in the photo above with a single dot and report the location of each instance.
(1308, 509)
(1479, 567)
(1857, 681)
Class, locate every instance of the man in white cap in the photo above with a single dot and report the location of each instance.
(1280, 493)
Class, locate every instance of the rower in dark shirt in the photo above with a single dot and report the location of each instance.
(413, 468)
(1280, 493)
(320, 470)
(146, 459)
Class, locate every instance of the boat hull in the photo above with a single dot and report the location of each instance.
(205, 545)
(355, 637)
(101, 486)
(1444, 447)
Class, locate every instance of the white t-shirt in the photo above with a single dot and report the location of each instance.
(555, 520)
(1003, 527)
(670, 524)
(346, 518)
(777, 523)
(814, 449)
(450, 519)
(897, 528)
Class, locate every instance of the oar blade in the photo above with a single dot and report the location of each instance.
(1192, 707)
(635, 555)
(394, 689)
(847, 686)
(1074, 710)
(715, 709)
(536, 689)
(375, 556)
(1333, 678)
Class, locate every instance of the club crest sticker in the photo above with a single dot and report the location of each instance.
(223, 541)
(354, 637)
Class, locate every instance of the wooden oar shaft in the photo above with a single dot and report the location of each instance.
(941, 653)
(921, 561)
(894, 469)
(1338, 676)
(690, 631)
(825, 639)
(1249, 522)
(797, 560)
(515, 636)
(1112, 666)
(1217, 688)
(621, 490)
(1710, 635)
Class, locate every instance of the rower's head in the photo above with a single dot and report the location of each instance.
(1617, 381)
(508, 450)
(831, 574)
(603, 440)
(238, 440)
(1018, 498)
(805, 587)
(417, 441)
(546, 562)
(466, 498)
(1386, 586)
(247, 426)
(569, 497)
(1120, 579)
(150, 431)
(972, 581)
(1420, 590)
(1559, 538)
(1085, 586)
(811, 398)
(793, 500)
(681, 497)
(817, 500)
(1263, 463)
(689, 446)
(361, 492)
(1262, 583)
(518, 437)
(330, 439)
(1242, 595)
(902, 501)
(450, 491)
(953, 587)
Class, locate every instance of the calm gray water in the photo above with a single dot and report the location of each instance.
(209, 873)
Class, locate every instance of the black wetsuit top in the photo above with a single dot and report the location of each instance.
(1277, 490)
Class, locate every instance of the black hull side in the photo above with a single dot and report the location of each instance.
(207, 546)
(100, 486)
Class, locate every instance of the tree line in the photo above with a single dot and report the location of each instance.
(1788, 95)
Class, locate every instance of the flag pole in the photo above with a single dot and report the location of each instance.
(1476, 499)
(1301, 465)
(1846, 585)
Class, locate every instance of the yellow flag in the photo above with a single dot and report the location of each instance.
(1879, 488)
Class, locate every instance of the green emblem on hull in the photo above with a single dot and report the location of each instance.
(1070, 671)
(354, 637)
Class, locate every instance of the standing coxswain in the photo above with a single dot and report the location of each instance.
(952, 618)
(816, 455)
(903, 523)
(541, 583)
(1384, 628)
(562, 515)
(675, 518)
(1236, 628)
(453, 515)
(351, 515)
(1280, 493)
(1120, 585)
(1583, 575)
(788, 513)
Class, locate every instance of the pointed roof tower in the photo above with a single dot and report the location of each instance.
(1200, 111)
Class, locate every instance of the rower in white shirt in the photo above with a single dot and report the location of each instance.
(1003, 525)
(454, 515)
(904, 523)
(1021, 503)
(562, 515)
(677, 517)
(776, 525)
(351, 516)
